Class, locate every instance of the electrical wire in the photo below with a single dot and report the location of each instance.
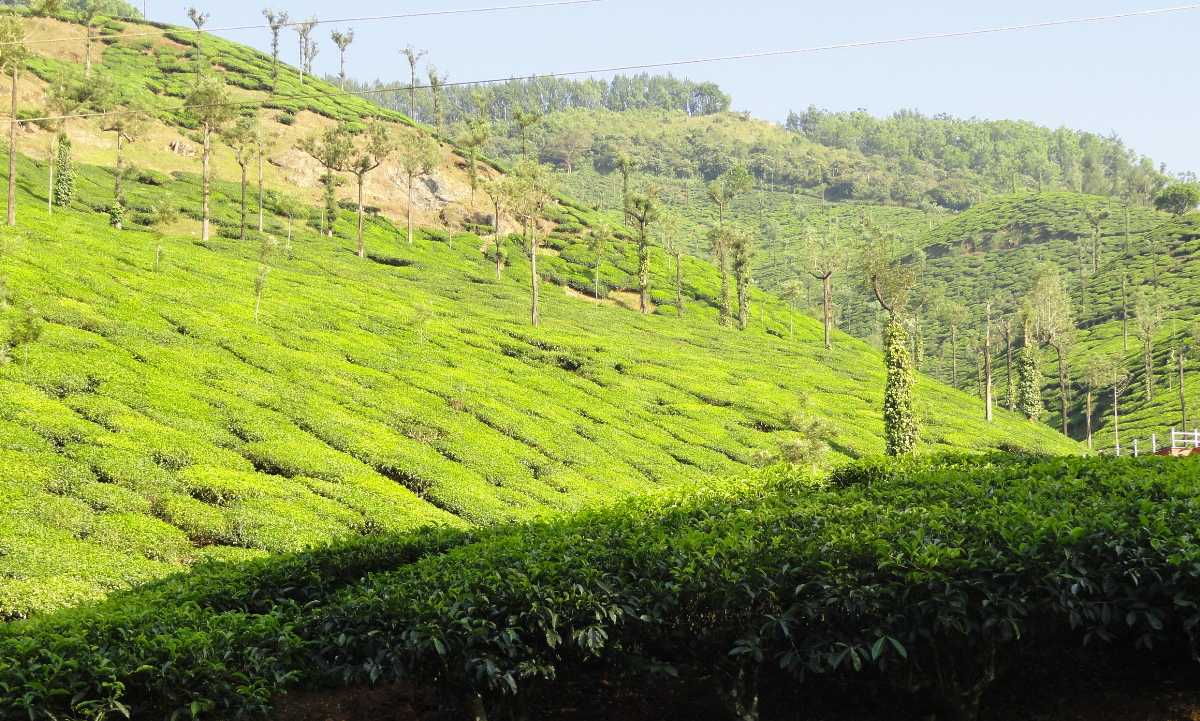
(665, 64)
(293, 23)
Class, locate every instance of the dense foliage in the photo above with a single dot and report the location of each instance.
(933, 576)
(1006, 155)
(543, 95)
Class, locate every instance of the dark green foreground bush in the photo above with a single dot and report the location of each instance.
(929, 576)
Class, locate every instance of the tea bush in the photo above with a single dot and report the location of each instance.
(926, 575)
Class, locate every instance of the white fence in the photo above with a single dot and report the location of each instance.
(1179, 441)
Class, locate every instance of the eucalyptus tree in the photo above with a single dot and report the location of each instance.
(413, 56)
(891, 281)
(474, 136)
(208, 105)
(308, 46)
(1113, 375)
(644, 211)
(732, 183)
(1093, 381)
(122, 116)
(263, 144)
(825, 256)
(90, 13)
(342, 40)
(534, 192)
(718, 248)
(953, 315)
(437, 82)
(199, 19)
(741, 246)
(417, 154)
(670, 228)
(1053, 323)
(366, 154)
(1148, 309)
(1095, 219)
(626, 165)
(242, 137)
(499, 191)
(332, 149)
(527, 119)
(277, 20)
(598, 240)
(13, 56)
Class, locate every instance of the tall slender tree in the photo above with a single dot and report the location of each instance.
(1148, 309)
(499, 191)
(437, 82)
(644, 211)
(891, 281)
(242, 137)
(308, 46)
(987, 362)
(277, 20)
(742, 246)
(669, 227)
(264, 141)
(199, 19)
(13, 56)
(1053, 325)
(413, 56)
(417, 154)
(90, 14)
(474, 136)
(599, 238)
(527, 119)
(342, 40)
(826, 255)
(123, 117)
(533, 198)
(1029, 383)
(208, 104)
(367, 153)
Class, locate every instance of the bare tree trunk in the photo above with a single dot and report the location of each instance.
(12, 154)
(203, 181)
(1125, 310)
(1117, 418)
(119, 170)
(1063, 383)
(535, 319)
(1088, 414)
(243, 231)
(1148, 361)
(361, 248)
(987, 368)
(827, 307)
(678, 282)
(1008, 351)
(954, 355)
(260, 191)
(50, 173)
(87, 53)
(410, 204)
(496, 243)
(1182, 397)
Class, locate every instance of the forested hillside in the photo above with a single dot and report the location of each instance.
(191, 375)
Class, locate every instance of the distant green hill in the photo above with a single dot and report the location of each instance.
(153, 423)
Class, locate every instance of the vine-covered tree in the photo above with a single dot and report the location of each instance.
(417, 154)
(644, 211)
(741, 246)
(64, 176)
(13, 56)
(277, 20)
(208, 105)
(1029, 378)
(891, 281)
(367, 153)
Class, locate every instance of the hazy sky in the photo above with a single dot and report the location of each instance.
(1135, 77)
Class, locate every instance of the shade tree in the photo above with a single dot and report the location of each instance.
(367, 152)
(1053, 324)
(277, 20)
(417, 155)
(208, 106)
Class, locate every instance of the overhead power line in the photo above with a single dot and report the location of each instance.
(263, 26)
(669, 63)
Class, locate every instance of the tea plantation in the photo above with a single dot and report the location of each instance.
(930, 577)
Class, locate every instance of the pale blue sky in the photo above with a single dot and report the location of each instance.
(1134, 77)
